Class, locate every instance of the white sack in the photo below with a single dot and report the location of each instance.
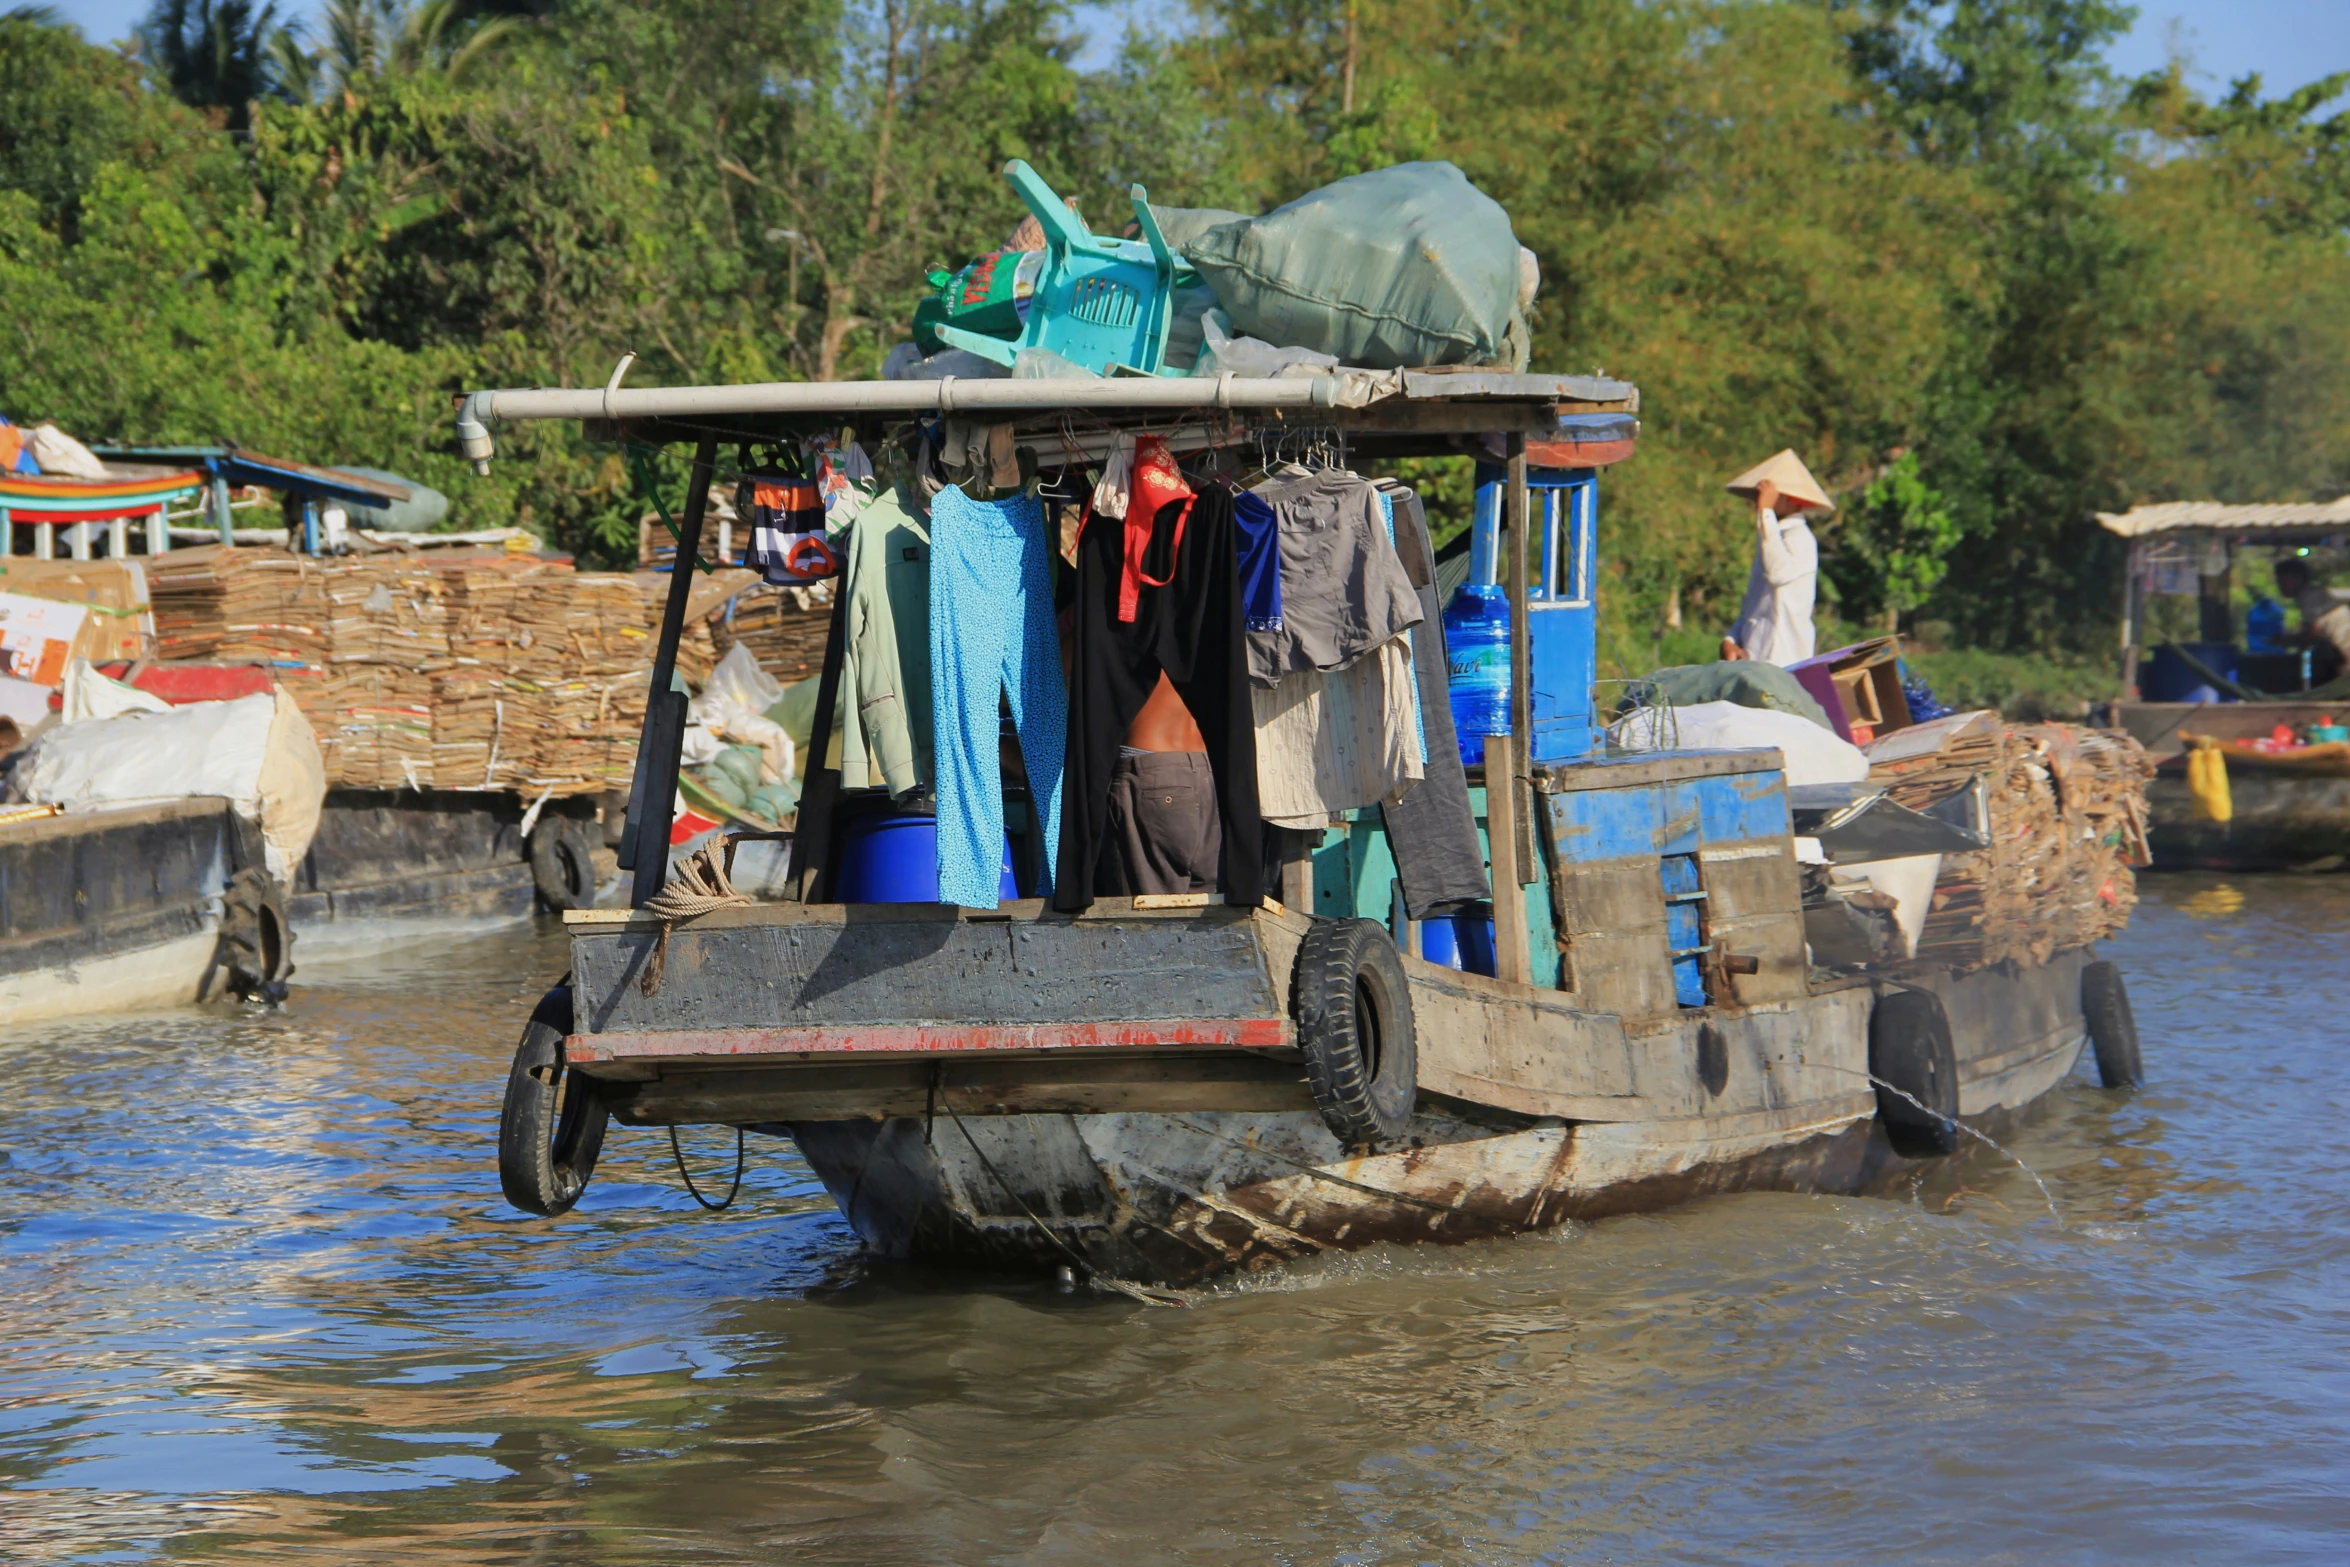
(1814, 755)
(59, 453)
(256, 752)
(89, 694)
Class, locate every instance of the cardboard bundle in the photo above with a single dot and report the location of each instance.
(481, 731)
(783, 627)
(585, 732)
(229, 604)
(2066, 813)
(386, 612)
(567, 625)
(373, 723)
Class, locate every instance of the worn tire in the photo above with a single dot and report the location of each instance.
(563, 862)
(256, 952)
(551, 1126)
(1910, 1048)
(1354, 1023)
(2113, 1028)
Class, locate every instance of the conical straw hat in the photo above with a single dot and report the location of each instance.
(1793, 479)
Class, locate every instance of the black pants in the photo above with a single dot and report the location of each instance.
(1191, 630)
(1164, 821)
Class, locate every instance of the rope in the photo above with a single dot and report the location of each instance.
(1085, 1270)
(678, 1154)
(699, 886)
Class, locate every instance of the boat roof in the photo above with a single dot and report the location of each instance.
(1380, 413)
(270, 473)
(2285, 523)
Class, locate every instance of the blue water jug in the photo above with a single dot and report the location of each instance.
(2264, 626)
(1477, 660)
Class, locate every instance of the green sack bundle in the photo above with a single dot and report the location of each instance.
(1403, 267)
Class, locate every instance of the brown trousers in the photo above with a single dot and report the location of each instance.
(1163, 820)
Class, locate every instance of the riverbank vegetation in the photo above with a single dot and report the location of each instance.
(1986, 288)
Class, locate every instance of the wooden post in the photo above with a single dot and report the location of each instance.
(811, 841)
(1516, 517)
(1512, 956)
(664, 731)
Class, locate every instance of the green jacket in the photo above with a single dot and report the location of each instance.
(884, 715)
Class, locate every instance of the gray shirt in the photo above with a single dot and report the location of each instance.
(1343, 590)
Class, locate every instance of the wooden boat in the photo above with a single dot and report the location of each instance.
(2289, 813)
(1162, 1088)
(144, 906)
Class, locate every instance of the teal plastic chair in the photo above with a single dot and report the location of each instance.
(1102, 303)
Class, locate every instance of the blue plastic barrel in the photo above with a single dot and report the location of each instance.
(1477, 660)
(1459, 942)
(894, 859)
(2166, 677)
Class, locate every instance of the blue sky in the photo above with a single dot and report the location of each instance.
(2288, 42)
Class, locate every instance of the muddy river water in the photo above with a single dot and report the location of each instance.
(260, 1300)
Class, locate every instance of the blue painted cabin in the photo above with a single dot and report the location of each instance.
(1665, 880)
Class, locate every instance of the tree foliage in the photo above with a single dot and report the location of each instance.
(1987, 289)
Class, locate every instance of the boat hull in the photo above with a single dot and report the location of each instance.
(1175, 1198)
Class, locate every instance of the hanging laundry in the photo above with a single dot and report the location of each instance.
(1158, 484)
(1431, 830)
(1339, 741)
(1187, 626)
(1113, 490)
(844, 479)
(884, 718)
(789, 543)
(992, 639)
(1260, 561)
(983, 453)
(1343, 591)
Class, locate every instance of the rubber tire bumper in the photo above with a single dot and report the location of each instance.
(551, 1127)
(2113, 1028)
(1911, 1049)
(563, 863)
(256, 949)
(1354, 1024)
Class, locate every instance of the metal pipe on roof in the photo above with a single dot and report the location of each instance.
(951, 394)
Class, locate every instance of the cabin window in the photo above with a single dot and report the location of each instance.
(1567, 515)
(1685, 926)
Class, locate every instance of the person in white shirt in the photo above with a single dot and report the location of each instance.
(1774, 624)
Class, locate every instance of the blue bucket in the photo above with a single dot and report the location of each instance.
(1459, 942)
(894, 859)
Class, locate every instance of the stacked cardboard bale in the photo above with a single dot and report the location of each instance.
(228, 604)
(2066, 810)
(477, 671)
(783, 627)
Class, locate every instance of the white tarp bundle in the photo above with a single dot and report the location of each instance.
(1814, 755)
(257, 752)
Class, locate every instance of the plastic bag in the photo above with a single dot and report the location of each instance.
(733, 705)
(1225, 354)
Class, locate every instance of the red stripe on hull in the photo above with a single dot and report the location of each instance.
(1269, 1033)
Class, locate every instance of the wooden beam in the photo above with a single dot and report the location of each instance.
(663, 737)
(1512, 956)
(811, 848)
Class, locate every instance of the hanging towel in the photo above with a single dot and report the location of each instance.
(992, 640)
